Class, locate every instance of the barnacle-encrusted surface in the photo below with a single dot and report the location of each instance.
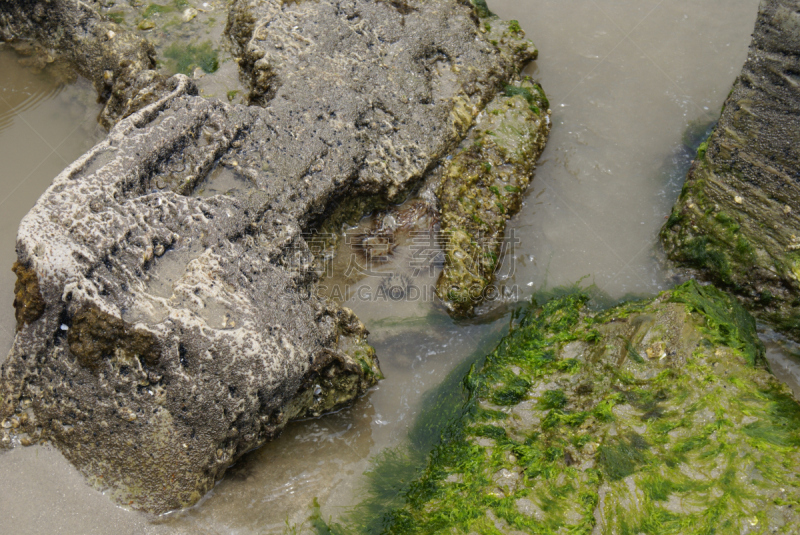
(170, 341)
(737, 222)
(482, 188)
(651, 417)
(181, 327)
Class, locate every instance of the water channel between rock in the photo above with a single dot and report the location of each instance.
(634, 86)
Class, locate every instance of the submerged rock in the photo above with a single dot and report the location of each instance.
(167, 314)
(651, 417)
(737, 222)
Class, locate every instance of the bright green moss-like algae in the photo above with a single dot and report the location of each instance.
(651, 417)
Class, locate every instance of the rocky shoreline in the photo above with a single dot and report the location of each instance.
(167, 314)
(651, 417)
(162, 332)
(736, 222)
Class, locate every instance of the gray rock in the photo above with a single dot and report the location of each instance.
(167, 318)
(175, 336)
(737, 222)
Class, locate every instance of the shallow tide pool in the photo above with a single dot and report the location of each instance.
(634, 85)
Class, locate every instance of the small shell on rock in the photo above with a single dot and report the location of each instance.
(787, 209)
(147, 25)
(126, 414)
(7, 424)
(189, 13)
(738, 200)
(159, 250)
(111, 34)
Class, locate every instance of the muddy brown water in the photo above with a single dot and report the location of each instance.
(634, 84)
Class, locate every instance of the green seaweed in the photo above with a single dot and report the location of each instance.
(512, 393)
(486, 460)
(620, 458)
(117, 17)
(159, 9)
(187, 57)
(701, 150)
(727, 322)
(481, 9)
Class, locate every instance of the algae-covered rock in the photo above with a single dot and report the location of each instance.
(652, 417)
(737, 222)
(482, 187)
(169, 319)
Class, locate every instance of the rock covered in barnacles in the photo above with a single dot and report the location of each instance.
(168, 319)
(737, 222)
(161, 334)
(482, 187)
(402, 84)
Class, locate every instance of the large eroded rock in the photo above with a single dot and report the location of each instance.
(737, 222)
(167, 318)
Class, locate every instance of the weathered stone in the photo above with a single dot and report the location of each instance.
(28, 303)
(118, 63)
(482, 187)
(180, 326)
(699, 438)
(737, 222)
(142, 368)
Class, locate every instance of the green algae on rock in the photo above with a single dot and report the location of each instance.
(737, 222)
(185, 58)
(651, 417)
(482, 187)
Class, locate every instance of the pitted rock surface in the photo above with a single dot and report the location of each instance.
(362, 97)
(170, 344)
(737, 222)
(179, 326)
